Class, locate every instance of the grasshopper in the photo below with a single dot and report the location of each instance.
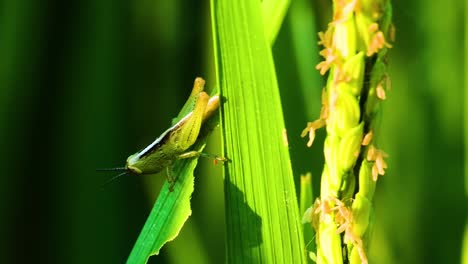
(174, 143)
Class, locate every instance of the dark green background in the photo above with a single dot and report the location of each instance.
(83, 84)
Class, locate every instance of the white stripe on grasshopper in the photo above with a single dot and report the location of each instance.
(155, 142)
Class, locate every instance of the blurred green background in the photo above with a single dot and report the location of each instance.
(84, 84)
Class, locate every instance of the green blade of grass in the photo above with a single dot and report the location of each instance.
(262, 218)
(273, 14)
(464, 249)
(168, 215)
(306, 199)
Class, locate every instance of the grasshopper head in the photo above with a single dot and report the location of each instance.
(131, 164)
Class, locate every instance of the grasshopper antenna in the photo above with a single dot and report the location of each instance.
(124, 172)
(114, 178)
(112, 169)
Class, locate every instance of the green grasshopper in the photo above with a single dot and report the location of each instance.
(174, 143)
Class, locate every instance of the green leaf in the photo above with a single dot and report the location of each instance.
(168, 215)
(262, 215)
(273, 14)
(306, 200)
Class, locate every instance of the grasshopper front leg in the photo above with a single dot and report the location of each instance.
(187, 155)
(196, 154)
